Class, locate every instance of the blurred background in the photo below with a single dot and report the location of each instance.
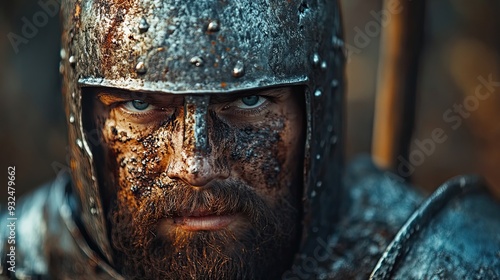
(460, 52)
(461, 48)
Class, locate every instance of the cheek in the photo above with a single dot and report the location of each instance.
(134, 155)
(293, 141)
(257, 154)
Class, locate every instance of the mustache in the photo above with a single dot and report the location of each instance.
(219, 198)
(215, 255)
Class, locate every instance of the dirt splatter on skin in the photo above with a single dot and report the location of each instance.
(255, 152)
(258, 148)
(154, 174)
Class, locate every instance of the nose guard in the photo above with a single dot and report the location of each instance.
(195, 125)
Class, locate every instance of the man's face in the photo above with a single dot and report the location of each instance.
(225, 207)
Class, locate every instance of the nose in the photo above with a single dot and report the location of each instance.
(194, 161)
(195, 171)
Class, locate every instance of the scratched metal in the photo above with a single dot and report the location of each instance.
(455, 234)
(196, 112)
(272, 38)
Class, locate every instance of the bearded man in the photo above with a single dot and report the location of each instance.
(206, 143)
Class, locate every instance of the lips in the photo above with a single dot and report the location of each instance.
(203, 221)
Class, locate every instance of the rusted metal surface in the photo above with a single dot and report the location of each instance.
(198, 46)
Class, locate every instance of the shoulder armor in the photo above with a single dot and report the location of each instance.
(22, 240)
(49, 243)
(454, 234)
(377, 204)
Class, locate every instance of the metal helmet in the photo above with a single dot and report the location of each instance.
(209, 47)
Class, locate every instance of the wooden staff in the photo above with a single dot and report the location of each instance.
(401, 44)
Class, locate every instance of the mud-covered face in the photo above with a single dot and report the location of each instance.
(199, 186)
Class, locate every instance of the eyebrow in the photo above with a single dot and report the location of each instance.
(110, 96)
(225, 97)
(120, 94)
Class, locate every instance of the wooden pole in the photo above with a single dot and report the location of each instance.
(401, 43)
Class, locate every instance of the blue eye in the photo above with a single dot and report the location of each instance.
(140, 105)
(137, 105)
(250, 102)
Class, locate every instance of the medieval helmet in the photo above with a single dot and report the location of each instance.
(209, 47)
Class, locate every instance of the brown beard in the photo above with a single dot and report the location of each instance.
(262, 248)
